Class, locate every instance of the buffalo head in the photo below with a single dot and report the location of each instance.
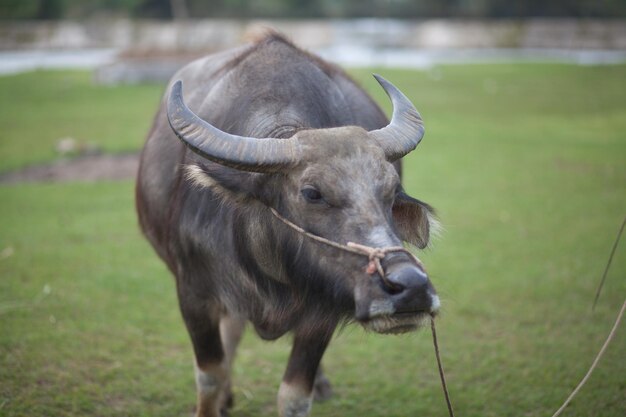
(337, 183)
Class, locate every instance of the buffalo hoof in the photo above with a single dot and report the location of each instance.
(322, 389)
(229, 402)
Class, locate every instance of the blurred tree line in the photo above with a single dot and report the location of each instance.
(168, 9)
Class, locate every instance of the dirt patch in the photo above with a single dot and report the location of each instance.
(81, 169)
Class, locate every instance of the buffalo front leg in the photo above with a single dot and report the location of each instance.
(295, 394)
(231, 329)
(211, 366)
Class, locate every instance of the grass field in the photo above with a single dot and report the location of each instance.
(526, 165)
(40, 108)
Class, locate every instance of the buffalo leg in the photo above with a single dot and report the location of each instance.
(296, 390)
(231, 329)
(202, 321)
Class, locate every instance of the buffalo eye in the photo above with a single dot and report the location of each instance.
(312, 194)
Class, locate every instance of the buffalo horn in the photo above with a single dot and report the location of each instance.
(245, 153)
(405, 131)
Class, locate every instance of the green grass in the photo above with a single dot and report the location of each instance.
(40, 108)
(527, 167)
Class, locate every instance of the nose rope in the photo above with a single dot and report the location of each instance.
(374, 255)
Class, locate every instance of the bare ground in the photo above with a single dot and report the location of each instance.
(81, 169)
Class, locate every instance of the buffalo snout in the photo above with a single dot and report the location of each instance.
(410, 290)
(401, 302)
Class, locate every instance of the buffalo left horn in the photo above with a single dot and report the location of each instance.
(405, 130)
(245, 153)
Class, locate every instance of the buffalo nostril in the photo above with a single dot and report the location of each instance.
(392, 287)
(408, 278)
(416, 291)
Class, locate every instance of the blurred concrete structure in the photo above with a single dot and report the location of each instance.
(203, 35)
(153, 50)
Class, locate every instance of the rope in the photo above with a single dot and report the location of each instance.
(374, 255)
(442, 375)
(595, 361)
(608, 265)
(613, 330)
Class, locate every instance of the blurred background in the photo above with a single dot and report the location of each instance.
(524, 159)
(149, 39)
(405, 9)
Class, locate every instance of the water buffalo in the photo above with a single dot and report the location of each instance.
(281, 150)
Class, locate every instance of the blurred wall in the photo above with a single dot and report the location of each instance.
(198, 36)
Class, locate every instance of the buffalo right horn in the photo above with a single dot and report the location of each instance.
(405, 130)
(240, 152)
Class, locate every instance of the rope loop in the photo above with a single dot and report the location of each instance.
(374, 255)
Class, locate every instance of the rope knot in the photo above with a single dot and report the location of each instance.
(375, 256)
(376, 253)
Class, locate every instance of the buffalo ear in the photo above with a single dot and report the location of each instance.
(230, 184)
(414, 220)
